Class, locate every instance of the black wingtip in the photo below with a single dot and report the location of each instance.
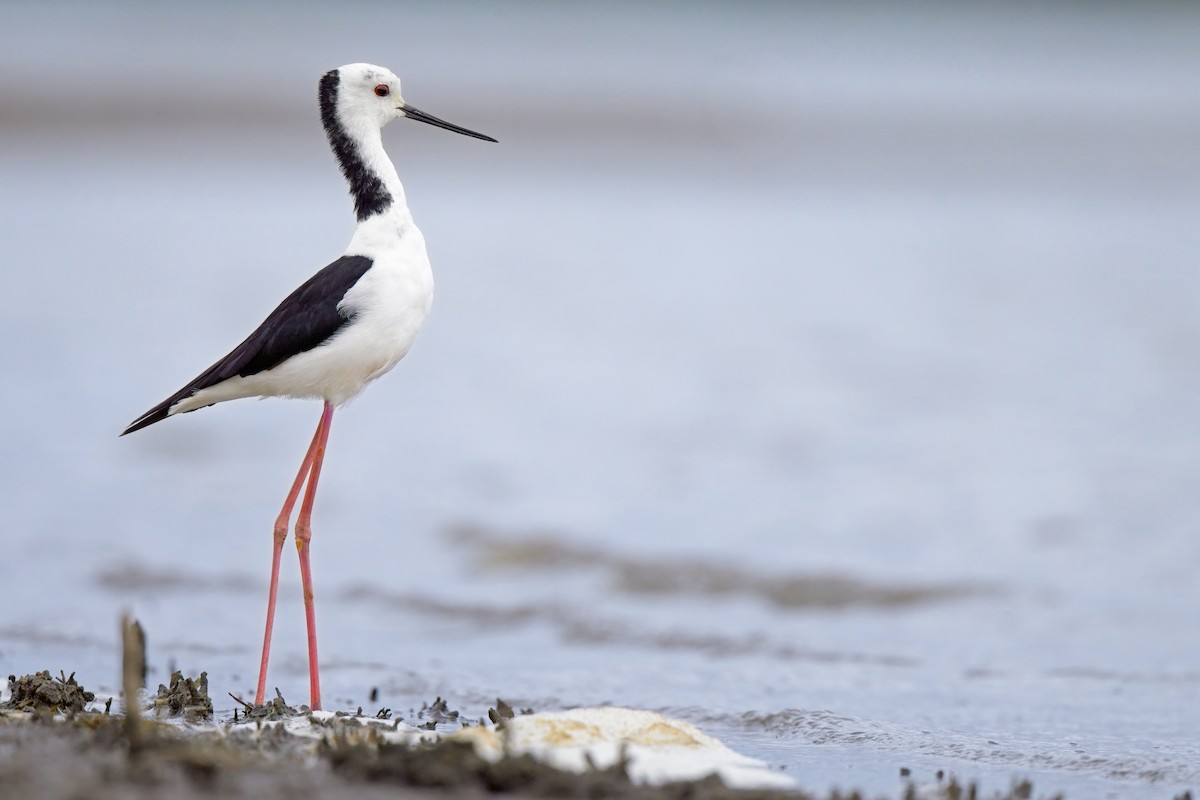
(156, 414)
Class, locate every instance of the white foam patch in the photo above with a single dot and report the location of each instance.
(658, 749)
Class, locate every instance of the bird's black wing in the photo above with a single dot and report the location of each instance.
(306, 318)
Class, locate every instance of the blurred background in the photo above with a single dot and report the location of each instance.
(824, 374)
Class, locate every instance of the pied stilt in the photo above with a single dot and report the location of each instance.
(347, 325)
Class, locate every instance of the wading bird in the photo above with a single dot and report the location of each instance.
(347, 325)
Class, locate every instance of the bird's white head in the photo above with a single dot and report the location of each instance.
(364, 94)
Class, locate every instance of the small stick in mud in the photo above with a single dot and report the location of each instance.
(133, 669)
(245, 705)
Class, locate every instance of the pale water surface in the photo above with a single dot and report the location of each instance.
(826, 377)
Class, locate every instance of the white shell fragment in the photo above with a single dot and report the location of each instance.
(658, 749)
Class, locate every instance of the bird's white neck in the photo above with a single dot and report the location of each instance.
(383, 215)
(380, 180)
(374, 184)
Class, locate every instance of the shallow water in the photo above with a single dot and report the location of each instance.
(826, 379)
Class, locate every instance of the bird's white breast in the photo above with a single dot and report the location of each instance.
(388, 304)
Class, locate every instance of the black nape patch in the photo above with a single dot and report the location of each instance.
(371, 197)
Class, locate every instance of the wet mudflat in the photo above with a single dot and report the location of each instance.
(51, 747)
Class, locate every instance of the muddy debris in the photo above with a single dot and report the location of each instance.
(502, 712)
(185, 697)
(437, 711)
(454, 765)
(383, 713)
(273, 710)
(41, 692)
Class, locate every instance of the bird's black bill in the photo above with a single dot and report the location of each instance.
(421, 116)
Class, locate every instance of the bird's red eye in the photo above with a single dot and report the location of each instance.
(382, 90)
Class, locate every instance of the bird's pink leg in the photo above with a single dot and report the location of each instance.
(303, 536)
(281, 529)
